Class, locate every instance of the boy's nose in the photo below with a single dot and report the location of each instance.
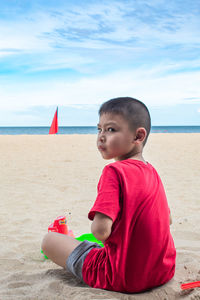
(102, 137)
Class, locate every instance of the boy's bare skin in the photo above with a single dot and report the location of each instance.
(115, 141)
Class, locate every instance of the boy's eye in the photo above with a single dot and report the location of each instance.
(110, 129)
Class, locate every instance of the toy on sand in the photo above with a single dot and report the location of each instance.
(190, 285)
(60, 225)
(89, 237)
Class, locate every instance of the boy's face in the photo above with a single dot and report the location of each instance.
(115, 139)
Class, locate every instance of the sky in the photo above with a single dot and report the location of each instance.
(77, 54)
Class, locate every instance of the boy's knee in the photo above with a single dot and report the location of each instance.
(47, 241)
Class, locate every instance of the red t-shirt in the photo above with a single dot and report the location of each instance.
(139, 254)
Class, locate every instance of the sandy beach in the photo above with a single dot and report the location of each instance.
(43, 177)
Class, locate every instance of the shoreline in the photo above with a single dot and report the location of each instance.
(63, 130)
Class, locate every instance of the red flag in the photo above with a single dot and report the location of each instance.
(54, 124)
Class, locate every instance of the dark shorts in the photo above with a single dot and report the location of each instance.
(76, 259)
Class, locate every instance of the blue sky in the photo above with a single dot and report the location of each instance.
(78, 54)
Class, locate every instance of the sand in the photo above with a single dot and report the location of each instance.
(43, 177)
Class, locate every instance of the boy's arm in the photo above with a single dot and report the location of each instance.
(101, 226)
(170, 219)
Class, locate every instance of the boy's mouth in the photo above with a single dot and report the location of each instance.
(101, 148)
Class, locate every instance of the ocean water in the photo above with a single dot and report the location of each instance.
(90, 130)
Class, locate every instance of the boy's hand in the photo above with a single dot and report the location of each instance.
(101, 226)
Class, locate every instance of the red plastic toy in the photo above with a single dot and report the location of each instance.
(60, 226)
(190, 285)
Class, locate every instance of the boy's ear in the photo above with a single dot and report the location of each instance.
(140, 135)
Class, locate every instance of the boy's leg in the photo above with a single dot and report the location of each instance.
(58, 247)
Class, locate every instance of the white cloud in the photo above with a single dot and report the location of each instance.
(97, 26)
(149, 86)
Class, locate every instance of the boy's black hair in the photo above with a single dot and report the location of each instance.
(133, 110)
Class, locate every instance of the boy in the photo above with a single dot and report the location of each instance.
(130, 215)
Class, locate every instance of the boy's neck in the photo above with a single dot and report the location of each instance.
(139, 157)
(136, 156)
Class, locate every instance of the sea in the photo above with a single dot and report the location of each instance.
(90, 130)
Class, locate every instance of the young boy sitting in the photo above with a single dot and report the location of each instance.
(130, 215)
